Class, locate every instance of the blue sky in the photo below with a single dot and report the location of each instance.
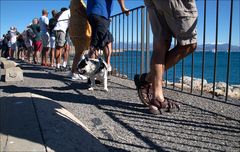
(19, 13)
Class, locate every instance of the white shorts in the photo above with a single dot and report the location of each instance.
(52, 42)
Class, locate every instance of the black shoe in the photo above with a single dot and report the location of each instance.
(57, 70)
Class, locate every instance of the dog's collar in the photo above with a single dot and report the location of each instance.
(102, 65)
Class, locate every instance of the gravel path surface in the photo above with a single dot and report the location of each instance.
(119, 120)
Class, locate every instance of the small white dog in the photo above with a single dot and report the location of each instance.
(94, 69)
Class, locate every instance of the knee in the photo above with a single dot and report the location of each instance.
(187, 49)
(191, 47)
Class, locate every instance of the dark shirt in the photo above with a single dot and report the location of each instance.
(36, 30)
(51, 25)
(100, 7)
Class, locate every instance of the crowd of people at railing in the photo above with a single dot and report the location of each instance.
(38, 40)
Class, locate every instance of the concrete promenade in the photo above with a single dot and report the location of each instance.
(50, 112)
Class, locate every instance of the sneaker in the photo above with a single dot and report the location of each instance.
(57, 70)
(76, 76)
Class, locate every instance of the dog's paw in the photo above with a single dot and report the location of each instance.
(90, 89)
(105, 89)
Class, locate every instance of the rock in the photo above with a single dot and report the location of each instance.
(13, 74)
(124, 76)
(208, 87)
(196, 82)
(222, 86)
(236, 93)
(179, 85)
(8, 64)
(2, 59)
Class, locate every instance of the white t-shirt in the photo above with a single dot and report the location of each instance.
(63, 21)
(13, 36)
(43, 23)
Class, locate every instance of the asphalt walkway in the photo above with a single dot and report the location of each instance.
(50, 112)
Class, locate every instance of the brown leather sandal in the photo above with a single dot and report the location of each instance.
(144, 88)
(158, 107)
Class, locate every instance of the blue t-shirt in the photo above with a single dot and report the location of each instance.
(100, 7)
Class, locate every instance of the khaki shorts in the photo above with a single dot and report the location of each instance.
(60, 38)
(173, 18)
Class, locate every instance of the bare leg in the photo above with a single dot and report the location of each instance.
(45, 55)
(58, 56)
(65, 54)
(178, 53)
(175, 55)
(108, 52)
(52, 56)
(157, 67)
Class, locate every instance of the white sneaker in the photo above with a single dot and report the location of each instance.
(109, 68)
(76, 76)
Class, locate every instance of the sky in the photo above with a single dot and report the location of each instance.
(19, 13)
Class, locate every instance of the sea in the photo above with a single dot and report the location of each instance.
(129, 63)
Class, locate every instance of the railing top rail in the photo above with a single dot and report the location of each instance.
(128, 10)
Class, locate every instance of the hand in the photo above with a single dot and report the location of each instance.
(126, 11)
(123, 8)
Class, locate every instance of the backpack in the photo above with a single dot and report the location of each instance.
(53, 21)
(30, 33)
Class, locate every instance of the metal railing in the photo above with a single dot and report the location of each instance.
(132, 51)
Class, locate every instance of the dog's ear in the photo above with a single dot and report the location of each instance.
(103, 62)
(86, 57)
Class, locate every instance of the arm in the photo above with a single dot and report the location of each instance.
(123, 8)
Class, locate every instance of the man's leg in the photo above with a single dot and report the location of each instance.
(45, 55)
(65, 54)
(177, 53)
(52, 56)
(158, 67)
(108, 52)
(58, 56)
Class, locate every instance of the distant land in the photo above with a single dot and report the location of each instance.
(220, 47)
(208, 47)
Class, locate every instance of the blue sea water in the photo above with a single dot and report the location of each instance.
(129, 63)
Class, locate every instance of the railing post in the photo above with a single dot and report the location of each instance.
(216, 50)
(147, 42)
(229, 49)
(142, 40)
(204, 39)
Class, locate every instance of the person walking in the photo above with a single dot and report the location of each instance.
(169, 18)
(99, 12)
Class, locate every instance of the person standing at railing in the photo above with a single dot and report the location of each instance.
(60, 31)
(80, 34)
(169, 18)
(51, 25)
(43, 23)
(99, 12)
